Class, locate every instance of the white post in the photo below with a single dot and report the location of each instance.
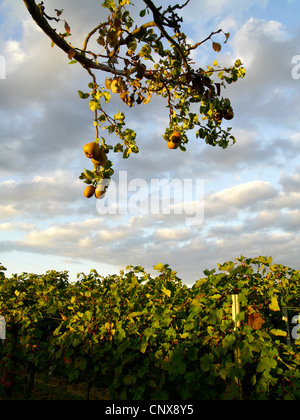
(237, 352)
(235, 311)
(2, 328)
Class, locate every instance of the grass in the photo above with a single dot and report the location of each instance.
(52, 389)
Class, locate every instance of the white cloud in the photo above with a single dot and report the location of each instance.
(206, 9)
(14, 54)
(243, 196)
(247, 211)
(8, 226)
(8, 211)
(172, 234)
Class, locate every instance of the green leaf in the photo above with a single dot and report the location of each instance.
(144, 346)
(129, 380)
(228, 341)
(206, 361)
(87, 316)
(118, 148)
(88, 174)
(216, 296)
(76, 342)
(265, 260)
(134, 314)
(126, 153)
(145, 51)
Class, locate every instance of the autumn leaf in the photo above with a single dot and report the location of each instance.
(71, 54)
(108, 83)
(59, 12)
(67, 28)
(216, 46)
(166, 291)
(159, 267)
(255, 321)
(274, 305)
(147, 100)
(227, 35)
(278, 333)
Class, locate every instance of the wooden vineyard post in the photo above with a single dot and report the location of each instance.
(237, 352)
(2, 329)
(286, 319)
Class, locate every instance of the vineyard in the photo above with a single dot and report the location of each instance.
(143, 337)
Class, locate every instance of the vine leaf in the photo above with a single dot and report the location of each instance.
(274, 305)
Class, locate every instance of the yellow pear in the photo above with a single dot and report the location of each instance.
(172, 145)
(91, 150)
(176, 137)
(89, 191)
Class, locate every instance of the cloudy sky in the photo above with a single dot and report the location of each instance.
(251, 190)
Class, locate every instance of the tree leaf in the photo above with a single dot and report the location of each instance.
(83, 95)
(59, 12)
(67, 28)
(227, 35)
(94, 105)
(145, 51)
(108, 83)
(119, 116)
(109, 4)
(147, 100)
(216, 46)
(71, 53)
(126, 153)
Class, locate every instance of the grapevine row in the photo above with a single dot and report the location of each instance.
(153, 337)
